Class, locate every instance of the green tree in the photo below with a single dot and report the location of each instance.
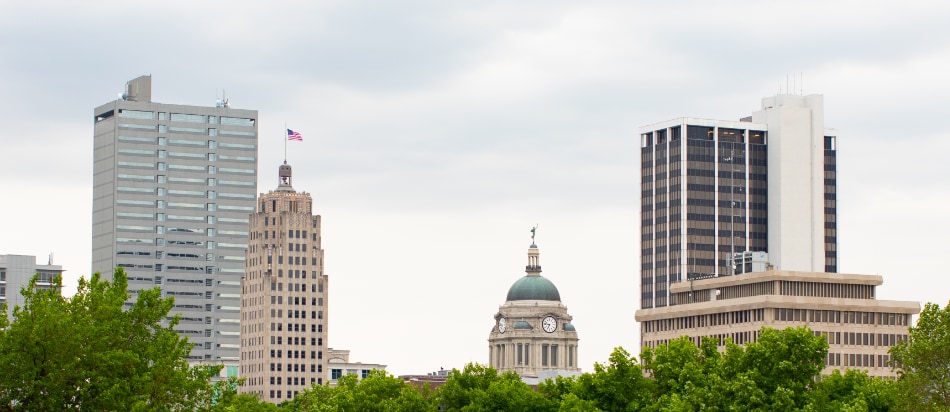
(776, 371)
(226, 398)
(686, 377)
(481, 388)
(923, 362)
(378, 391)
(852, 391)
(617, 386)
(88, 352)
(244, 402)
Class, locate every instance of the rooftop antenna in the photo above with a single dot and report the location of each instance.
(223, 101)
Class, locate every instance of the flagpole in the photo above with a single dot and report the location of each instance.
(285, 142)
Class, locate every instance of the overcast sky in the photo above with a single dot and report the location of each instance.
(436, 133)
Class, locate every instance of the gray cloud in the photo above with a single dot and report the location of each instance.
(436, 133)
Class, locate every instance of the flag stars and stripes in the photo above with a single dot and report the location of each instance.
(292, 135)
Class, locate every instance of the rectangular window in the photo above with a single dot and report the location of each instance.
(236, 121)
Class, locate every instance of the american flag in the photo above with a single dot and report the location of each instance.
(292, 135)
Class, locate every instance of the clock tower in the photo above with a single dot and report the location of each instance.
(532, 333)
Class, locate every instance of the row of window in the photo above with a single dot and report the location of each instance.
(164, 154)
(858, 359)
(296, 367)
(162, 204)
(296, 314)
(292, 287)
(549, 354)
(292, 380)
(162, 141)
(272, 234)
(296, 341)
(187, 118)
(829, 290)
(161, 217)
(161, 267)
(204, 131)
(780, 314)
(296, 327)
(296, 354)
(700, 321)
(210, 194)
(296, 300)
(161, 229)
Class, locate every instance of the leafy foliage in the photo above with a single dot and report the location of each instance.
(87, 352)
(90, 352)
(852, 391)
(377, 392)
(617, 386)
(481, 388)
(923, 362)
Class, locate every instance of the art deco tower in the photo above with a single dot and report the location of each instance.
(283, 296)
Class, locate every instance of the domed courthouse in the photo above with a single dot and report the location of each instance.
(533, 334)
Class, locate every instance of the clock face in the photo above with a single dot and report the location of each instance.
(549, 324)
(502, 325)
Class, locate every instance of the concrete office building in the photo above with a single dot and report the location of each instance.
(172, 189)
(712, 188)
(739, 231)
(283, 296)
(16, 272)
(859, 328)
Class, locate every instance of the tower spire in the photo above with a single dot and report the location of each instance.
(285, 175)
(534, 256)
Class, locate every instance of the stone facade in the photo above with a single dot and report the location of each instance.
(533, 334)
(283, 297)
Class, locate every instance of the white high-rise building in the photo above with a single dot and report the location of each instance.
(739, 232)
(714, 188)
(173, 188)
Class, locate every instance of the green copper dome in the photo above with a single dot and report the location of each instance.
(533, 288)
(569, 327)
(522, 325)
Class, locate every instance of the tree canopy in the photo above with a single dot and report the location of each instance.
(923, 362)
(90, 352)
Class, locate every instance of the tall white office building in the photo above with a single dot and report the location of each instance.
(713, 188)
(739, 232)
(173, 188)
